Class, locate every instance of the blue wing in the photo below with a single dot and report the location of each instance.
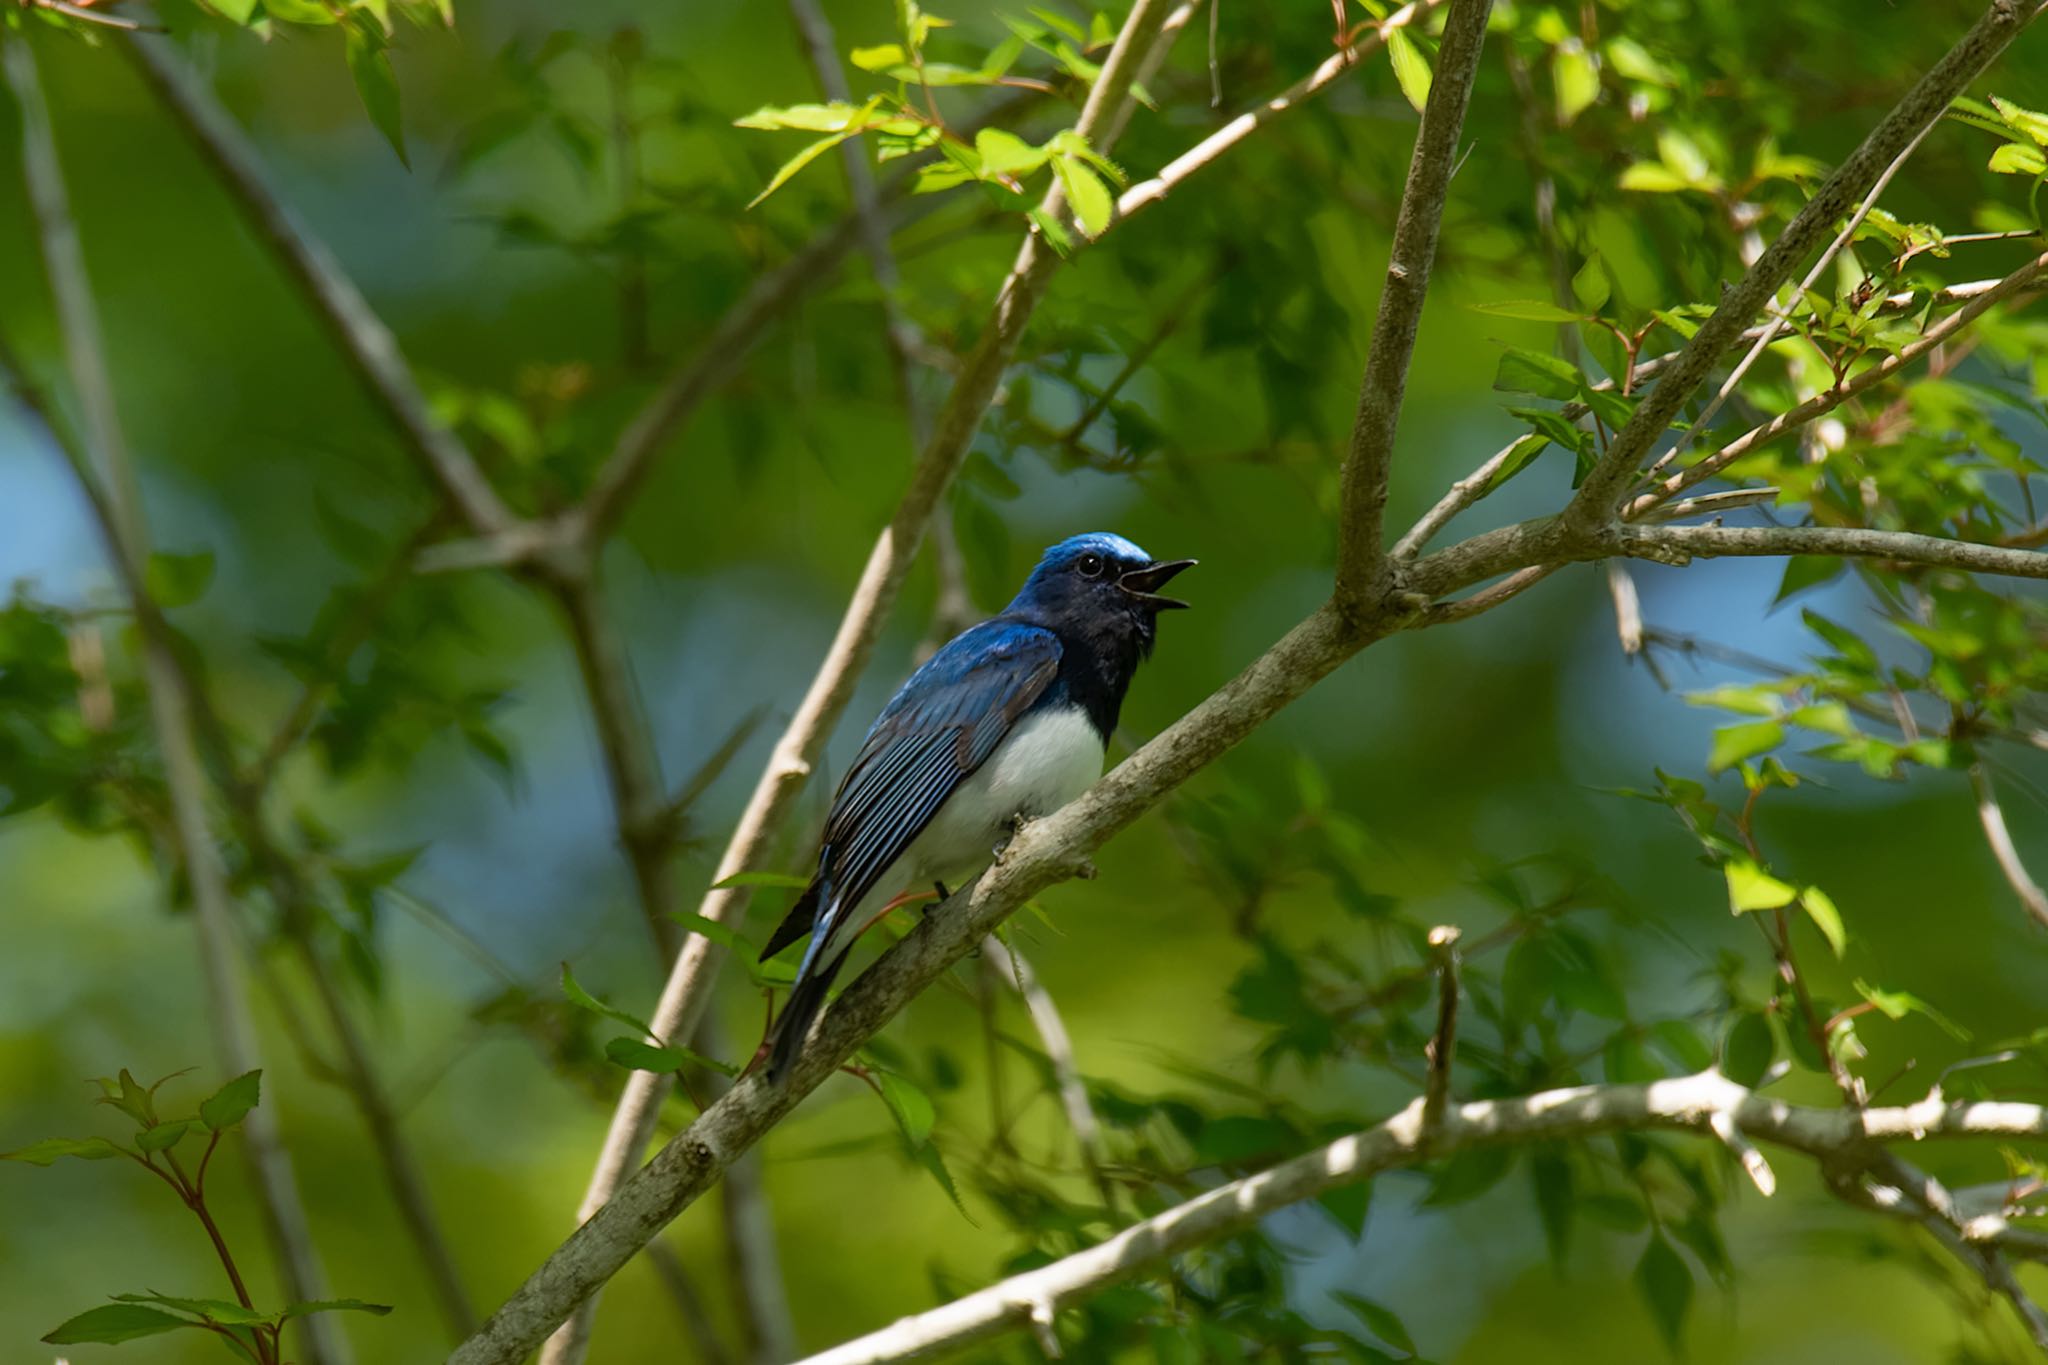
(937, 730)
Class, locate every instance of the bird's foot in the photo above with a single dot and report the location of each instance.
(943, 894)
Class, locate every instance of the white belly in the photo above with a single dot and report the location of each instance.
(1047, 761)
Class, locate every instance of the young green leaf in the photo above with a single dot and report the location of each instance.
(1093, 206)
(908, 1105)
(1749, 1049)
(723, 935)
(1734, 743)
(635, 1055)
(1411, 68)
(52, 1150)
(300, 1310)
(1547, 376)
(1826, 918)
(1005, 154)
(1527, 310)
(1665, 1282)
(212, 1310)
(114, 1323)
(164, 1136)
(1575, 76)
(230, 1104)
(369, 63)
(583, 999)
(177, 580)
(1752, 888)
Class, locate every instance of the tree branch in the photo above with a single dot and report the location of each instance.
(1361, 556)
(1443, 1044)
(1992, 816)
(1676, 544)
(118, 512)
(1697, 1104)
(365, 342)
(1604, 485)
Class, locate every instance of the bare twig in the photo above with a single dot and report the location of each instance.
(118, 511)
(1697, 1104)
(1992, 816)
(1175, 173)
(1604, 485)
(1443, 1044)
(1361, 557)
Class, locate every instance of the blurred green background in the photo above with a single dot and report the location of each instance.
(1457, 751)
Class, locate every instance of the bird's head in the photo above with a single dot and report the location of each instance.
(1099, 582)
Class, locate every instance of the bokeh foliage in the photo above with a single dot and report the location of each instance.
(550, 216)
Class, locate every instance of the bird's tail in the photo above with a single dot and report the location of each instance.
(806, 998)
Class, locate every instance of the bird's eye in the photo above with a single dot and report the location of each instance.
(1090, 566)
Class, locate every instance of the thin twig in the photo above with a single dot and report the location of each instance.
(1992, 816)
(1443, 1043)
(1361, 557)
(1604, 486)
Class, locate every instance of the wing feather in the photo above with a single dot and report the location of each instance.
(937, 731)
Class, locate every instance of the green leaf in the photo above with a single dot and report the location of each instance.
(1826, 918)
(1591, 285)
(1576, 77)
(1752, 888)
(1468, 1175)
(1807, 571)
(2024, 121)
(164, 1136)
(1898, 1004)
(934, 1163)
(723, 935)
(1828, 717)
(1551, 1177)
(1520, 456)
(783, 879)
(236, 11)
(370, 64)
(1648, 177)
(1005, 154)
(213, 1310)
(837, 117)
(178, 580)
(1734, 743)
(797, 163)
(300, 1310)
(2017, 158)
(1348, 1205)
(1546, 376)
(1411, 68)
(114, 1323)
(52, 1150)
(1090, 197)
(230, 1104)
(878, 58)
(1665, 1282)
(1749, 1049)
(1528, 310)
(908, 1105)
(1379, 1320)
(583, 999)
(636, 1055)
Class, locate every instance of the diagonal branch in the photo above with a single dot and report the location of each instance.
(1361, 558)
(1015, 968)
(1992, 816)
(118, 511)
(1604, 485)
(361, 335)
(1704, 1104)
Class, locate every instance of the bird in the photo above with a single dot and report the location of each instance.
(1007, 722)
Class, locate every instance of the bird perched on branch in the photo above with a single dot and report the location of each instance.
(1008, 722)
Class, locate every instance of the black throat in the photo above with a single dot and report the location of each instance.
(1098, 658)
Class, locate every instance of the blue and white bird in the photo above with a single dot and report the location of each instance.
(1011, 720)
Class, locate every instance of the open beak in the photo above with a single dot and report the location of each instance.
(1144, 583)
